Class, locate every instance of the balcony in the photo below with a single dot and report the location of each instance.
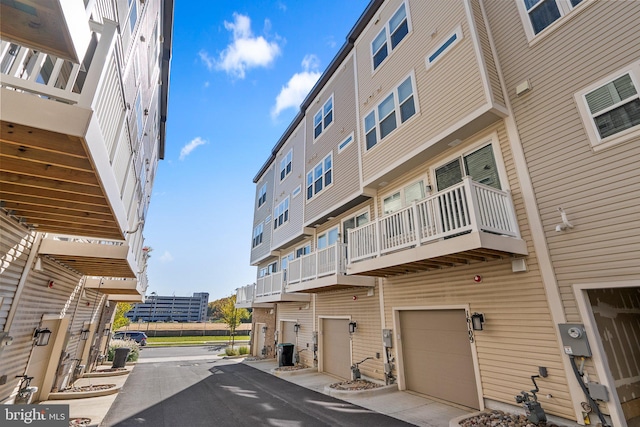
(61, 127)
(323, 270)
(467, 222)
(272, 288)
(93, 257)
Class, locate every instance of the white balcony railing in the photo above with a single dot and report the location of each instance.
(321, 263)
(468, 206)
(270, 285)
(245, 294)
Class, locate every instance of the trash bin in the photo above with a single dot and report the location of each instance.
(120, 357)
(285, 356)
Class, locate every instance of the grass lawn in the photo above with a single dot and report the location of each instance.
(193, 340)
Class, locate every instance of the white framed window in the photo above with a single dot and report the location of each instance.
(296, 191)
(303, 250)
(284, 261)
(323, 118)
(482, 162)
(327, 238)
(538, 15)
(449, 42)
(360, 218)
(257, 235)
(610, 108)
(267, 220)
(262, 195)
(404, 197)
(281, 214)
(344, 144)
(320, 177)
(272, 268)
(392, 33)
(285, 165)
(133, 14)
(398, 107)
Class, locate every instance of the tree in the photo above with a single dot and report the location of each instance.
(120, 320)
(232, 316)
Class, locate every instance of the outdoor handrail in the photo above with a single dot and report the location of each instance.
(319, 263)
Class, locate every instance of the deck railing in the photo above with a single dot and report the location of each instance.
(468, 206)
(271, 284)
(323, 262)
(245, 293)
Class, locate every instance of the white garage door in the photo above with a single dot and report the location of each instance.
(437, 358)
(336, 347)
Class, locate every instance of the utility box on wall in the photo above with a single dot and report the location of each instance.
(574, 339)
(387, 338)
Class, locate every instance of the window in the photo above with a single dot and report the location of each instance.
(281, 214)
(328, 238)
(397, 28)
(133, 14)
(344, 144)
(296, 191)
(355, 221)
(385, 116)
(480, 165)
(272, 268)
(451, 41)
(303, 250)
(285, 165)
(262, 195)
(284, 261)
(267, 220)
(153, 53)
(320, 177)
(323, 118)
(540, 14)
(404, 197)
(611, 108)
(257, 236)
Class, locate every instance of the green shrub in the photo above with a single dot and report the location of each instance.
(243, 350)
(230, 352)
(130, 344)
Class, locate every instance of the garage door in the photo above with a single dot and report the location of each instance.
(437, 359)
(336, 347)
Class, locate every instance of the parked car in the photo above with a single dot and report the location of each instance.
(137, 336)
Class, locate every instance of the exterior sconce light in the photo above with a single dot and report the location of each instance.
(42, 336)
(5, 339)
(106, 332)
(352, 327)
(264, 329)
(296, 328)
(477, 321)
(84, 334)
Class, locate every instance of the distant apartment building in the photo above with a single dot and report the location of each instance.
(83, 110)
(157, 308)
(457, 203)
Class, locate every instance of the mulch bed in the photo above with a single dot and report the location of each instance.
(355, 385)
(96, 387)
(290, 368)
(501, 419)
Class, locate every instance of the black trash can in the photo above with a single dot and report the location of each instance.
(285, 354)
(120, 357)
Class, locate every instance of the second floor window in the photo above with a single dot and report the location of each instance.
(262, 195)
(397, 28)
(328, 238)
(281, 214)
(398, 106)
(323, 118)
(285, 165)
(320, 177)
(543, 13)
(479, 164)
(257, 235)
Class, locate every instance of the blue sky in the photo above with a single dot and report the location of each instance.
(239, 71)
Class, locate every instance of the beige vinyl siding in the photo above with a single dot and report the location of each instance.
(447, 92)
(37, 299)
(283, 189)
(260, 214)
(365, 311)
(487, 53)
(303, 314)
(345, 176)
(594, 188)
(15, 245)
(515, 309)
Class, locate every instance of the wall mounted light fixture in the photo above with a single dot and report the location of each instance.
(41, 336)
(353, 326)
(477, 321)
(84, 334)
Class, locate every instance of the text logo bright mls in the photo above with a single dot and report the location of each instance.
(35, 415)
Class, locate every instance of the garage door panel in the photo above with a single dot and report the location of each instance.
(437, 357)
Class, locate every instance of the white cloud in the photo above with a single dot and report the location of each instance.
(188, 148)
(298, 86)
(166, 257)
(245, 51)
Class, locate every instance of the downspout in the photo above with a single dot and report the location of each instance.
(35, 247)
